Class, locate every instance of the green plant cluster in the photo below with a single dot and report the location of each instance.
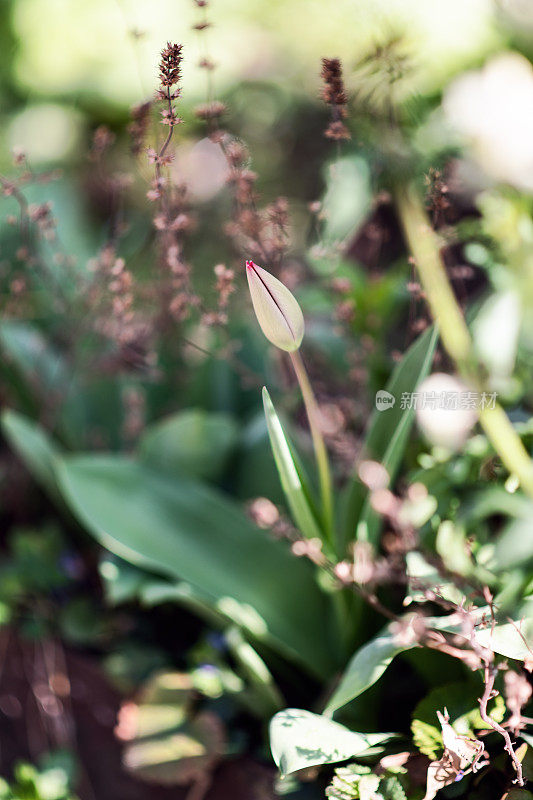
(328, 628)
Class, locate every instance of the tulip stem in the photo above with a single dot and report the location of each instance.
(321, 454)
(425, 247)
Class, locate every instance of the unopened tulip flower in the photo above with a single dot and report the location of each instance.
(282, 322)
(277, 311)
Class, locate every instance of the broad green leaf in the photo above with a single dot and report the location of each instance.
(193, 443)
(388, 435)
(492, 500)
(35, 448)
(290, 477)
(365, 668)
(423, 575)
(191, 533)
(509, 639)
(300, 739)
(512, 639)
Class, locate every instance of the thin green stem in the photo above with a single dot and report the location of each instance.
(255, 671)
(425, 247)
(321, 454)
(508, 444)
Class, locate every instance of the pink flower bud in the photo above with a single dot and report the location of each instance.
(277, 311)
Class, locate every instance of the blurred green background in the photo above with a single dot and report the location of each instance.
(68, 67)
(65, 63)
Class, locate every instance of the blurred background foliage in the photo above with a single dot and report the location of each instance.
(158, 671)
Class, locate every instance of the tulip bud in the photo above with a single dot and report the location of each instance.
(277, 311)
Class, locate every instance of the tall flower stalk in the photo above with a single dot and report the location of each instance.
(425, 247)
(282, 322)
(319, 446)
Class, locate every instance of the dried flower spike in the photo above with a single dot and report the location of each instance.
(334, 94)
(276, 309)
(170, 64)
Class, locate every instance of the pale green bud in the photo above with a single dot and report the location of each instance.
(277, 311)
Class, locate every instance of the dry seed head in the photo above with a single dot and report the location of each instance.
(170, 64)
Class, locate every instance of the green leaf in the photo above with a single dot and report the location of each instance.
(268, 698)
(451, 545)
(515, 544)
(461, 701)
(423, 575)
(365, 668)
(392, 789)
(493, 500)
(348, 782)
(512, 639)
(388, 435)
(193, 442)
(255, 473)
(300, 739)
(40, 371)
(345, 203)
(124, 582)
(39, 363)
(357, 782)
(290, 476)
(509, 639)
(34, 446)
(427, 737)
(189, 532)
(519, 794)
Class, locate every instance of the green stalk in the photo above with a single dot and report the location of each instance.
(425, 247)
(321, 454)
(255, 670)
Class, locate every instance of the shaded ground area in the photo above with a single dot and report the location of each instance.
(51, 698)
